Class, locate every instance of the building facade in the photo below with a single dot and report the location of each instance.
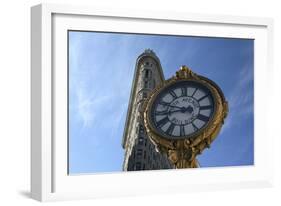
(140, 153)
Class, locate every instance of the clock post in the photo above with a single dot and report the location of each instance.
(184, 115)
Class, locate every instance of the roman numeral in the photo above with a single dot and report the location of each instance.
(173, 94)
(170, 129)
(164, 103)
(206, 107)
(203, 118)
(194, 126)
(161, 122)
(195, 90)
(184, 91)
(203, 97)
(182, 133)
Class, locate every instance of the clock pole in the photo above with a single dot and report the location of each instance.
(182, 151)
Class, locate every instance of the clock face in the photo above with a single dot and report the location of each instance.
(182, 109)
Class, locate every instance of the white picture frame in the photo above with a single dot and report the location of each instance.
(49, 178)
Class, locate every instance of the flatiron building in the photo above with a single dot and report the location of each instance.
(140, 153)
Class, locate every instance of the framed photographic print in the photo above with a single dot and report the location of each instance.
(137, 102)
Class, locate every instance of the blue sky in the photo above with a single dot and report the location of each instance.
(101, 67)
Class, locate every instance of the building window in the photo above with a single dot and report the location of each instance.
(138, 166)
(145, 84)
(146, 73)
(144, 156)
(140, 140)
(139, 152)
(141, 130)
(144, 95)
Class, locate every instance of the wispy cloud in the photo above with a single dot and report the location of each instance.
(96, 92)
(241, 99)
(242, 96)
(88, 106)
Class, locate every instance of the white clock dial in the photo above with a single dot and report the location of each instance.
(182, 109)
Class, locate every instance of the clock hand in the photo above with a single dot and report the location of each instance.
(175, 107)
(182, 110)
(189, 109)
(172, 111)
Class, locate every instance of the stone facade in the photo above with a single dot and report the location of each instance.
(140, 153)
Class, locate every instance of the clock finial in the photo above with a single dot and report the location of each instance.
(185, 73)
(184, 68)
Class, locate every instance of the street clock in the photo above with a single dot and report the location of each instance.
(184, 115)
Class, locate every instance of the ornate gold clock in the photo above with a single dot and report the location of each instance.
(184, 115)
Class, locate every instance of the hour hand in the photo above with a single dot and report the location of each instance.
(189, 109)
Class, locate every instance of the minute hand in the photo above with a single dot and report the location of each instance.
(176, 107)
(172, 111)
